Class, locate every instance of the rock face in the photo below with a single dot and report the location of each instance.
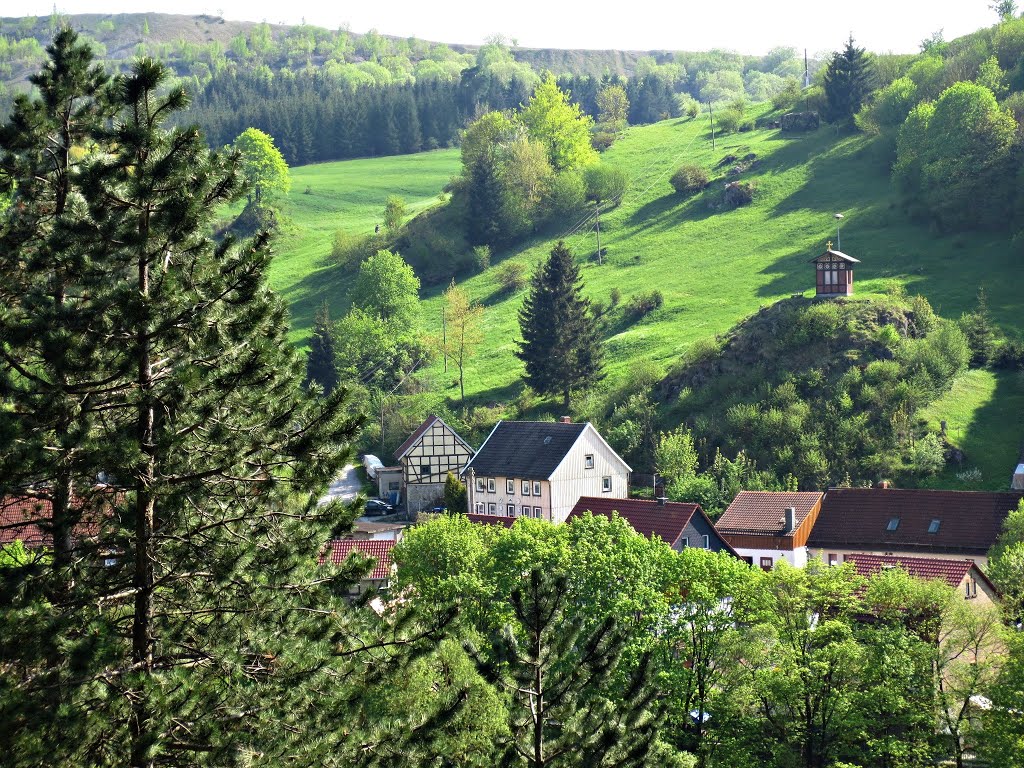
(800, 122)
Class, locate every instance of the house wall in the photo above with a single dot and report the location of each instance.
(823, 554)
(571, 479)
(501, 498)
(440, 450)
(386, 478)
(796, 557)
(696, 530)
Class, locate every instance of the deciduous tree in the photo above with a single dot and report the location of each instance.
(262, 164)
(463, 332)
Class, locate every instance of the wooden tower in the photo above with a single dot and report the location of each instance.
(834, 273)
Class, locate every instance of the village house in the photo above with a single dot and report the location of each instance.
(379, 576)
(678, 525)
(541, 469)
(375, 531)
(426, 458)
(833, 273)
(767, 526)
(963, 575)
(903, 522)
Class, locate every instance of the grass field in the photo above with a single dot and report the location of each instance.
(713, 266)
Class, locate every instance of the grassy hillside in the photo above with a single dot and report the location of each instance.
(713, 266)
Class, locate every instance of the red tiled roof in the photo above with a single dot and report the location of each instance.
(508, 522)
(338, 551)
(27, 519)
(647, 517)
(950, 571)
(763, 512)
(404, 447)
(858, 518)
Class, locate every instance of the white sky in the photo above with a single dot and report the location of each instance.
(747, 26)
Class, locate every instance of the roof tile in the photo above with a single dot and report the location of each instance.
(338, 551)
(526, 449)
(763, 512)
(950, 571)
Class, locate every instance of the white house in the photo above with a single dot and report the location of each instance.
(541, 469)
(767, 526)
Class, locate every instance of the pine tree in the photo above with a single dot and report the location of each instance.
(321, 362)
(207, 604)
(558, 679)
(849, 78)
(560, 345)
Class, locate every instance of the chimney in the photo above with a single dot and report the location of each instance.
(790, 518)
(662, 500)
(565, 420)
(883, 484)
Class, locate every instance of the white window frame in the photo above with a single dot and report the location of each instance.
(490, 485)
(685, 541)
(606, 484)
(479, 508)
(492, 508)
(536, 487)
(526, 487)
(510, 510)
(538, 512)
(510, 486)
(479, 485)
(707, 541)
(588, 461)
(767, 563)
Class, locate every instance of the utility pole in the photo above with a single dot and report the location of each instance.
(839, 243)
(600, 260)
(712, 114)
(444, 338)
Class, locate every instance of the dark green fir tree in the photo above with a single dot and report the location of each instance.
(849, 78)
(560, 682)
(560, 347)
(321, 360)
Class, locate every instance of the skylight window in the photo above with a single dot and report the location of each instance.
(933, 527)
(894, 523)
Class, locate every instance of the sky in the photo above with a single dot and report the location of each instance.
(746, 26)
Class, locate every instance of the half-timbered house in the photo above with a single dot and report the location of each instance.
(426, 458)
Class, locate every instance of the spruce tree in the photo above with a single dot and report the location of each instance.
(321, 363)
(559, 679)
(849, 79)
(560, 346)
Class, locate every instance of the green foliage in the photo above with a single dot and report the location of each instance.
(1006, 565)
(991, 76)
(511, 276)
(482, 257)
(560, 346)
(605, 184)
(642, 304)
(675, 457)
(738, 193)
(262, 165)
(388, 288)
(394, 213)
(689, 179)
(982, 335)
(848, 81)
(560, 126)
(321, 360)
(454, 494)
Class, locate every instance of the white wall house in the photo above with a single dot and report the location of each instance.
(426, 458)
(541, 469)
(765, 527)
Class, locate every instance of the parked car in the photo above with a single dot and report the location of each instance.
(376, 507)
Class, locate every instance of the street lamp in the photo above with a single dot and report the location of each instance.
(839, 244)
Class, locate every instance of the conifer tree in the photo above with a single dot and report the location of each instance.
(849, 78)
(559, 678)
(321, 363)
(560, 345)
(194, 629)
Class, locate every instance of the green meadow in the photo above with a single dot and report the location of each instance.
(713, 266)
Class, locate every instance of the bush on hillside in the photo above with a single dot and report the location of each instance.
(642, 304)
(800, 122)
(511, 276)
(689, 179)
(482, 257)
(348, 249)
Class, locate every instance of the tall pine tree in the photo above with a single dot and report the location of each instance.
(560, 346)
(321, 363)
(849, 78)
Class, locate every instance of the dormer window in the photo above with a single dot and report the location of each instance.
(588, 461)
(933, 526)
(894, 523)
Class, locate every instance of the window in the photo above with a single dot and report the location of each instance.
(766, 563)
(538, 512)
(894, 523)
(424, 470)
(526, 487)
(971, 589)
(109, 562)
(492, 508)
(479, 507)
(833, 559)
(510, 487)
(707, 541)
(685, 541)
(536, 487)
(393, 485)
(606, 484)
(588, 461)
(510, 510)
(480, 485)
(490, 485)
(933, 526)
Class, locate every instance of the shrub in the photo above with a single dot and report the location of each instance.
(746, 124)
(614, 297)
(738, 193)
(512, 276)
(689, 179)
(601, 140)
(1010, 355)
(482, 257)
(642, 304)
(728, 120)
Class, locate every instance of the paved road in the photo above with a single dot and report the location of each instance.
(344, 487)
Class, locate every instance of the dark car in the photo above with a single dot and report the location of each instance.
(376, 507)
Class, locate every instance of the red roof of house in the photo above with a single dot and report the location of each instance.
(27, 519)
(763, 512)
(968, 522)
(950, 571)
(647, 517)
(508, 522)
(338, 550)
